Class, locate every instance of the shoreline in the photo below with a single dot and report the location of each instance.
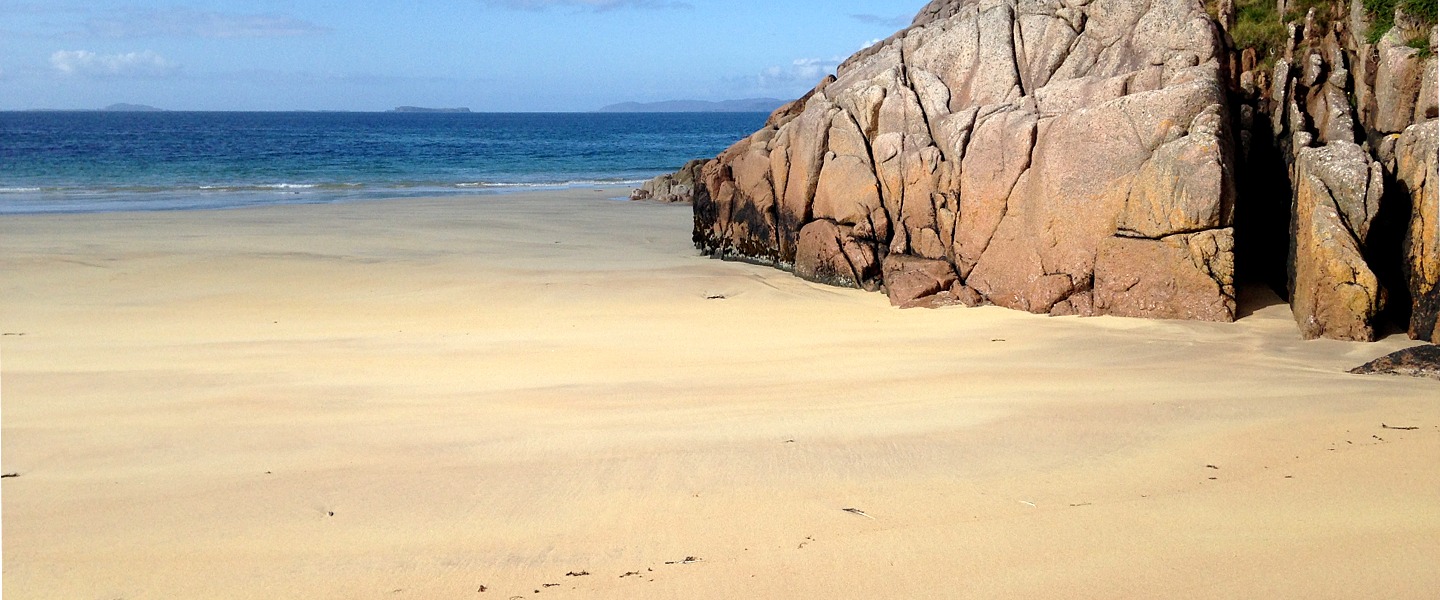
(422, 397)
(258, 196)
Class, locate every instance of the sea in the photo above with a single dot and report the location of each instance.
(72, 162)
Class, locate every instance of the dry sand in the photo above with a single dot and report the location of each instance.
(415, 399)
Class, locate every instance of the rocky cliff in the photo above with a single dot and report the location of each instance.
(1050, 158)
(1344, 126)
(1096, 157)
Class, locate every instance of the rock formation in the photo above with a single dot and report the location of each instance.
(1337, 194)
(1420, 361)
(1344, 115)
(671, 188)
(1058, 158)
(1415, 167)
(1106, 157)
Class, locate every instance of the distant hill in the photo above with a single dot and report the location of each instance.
(748, 105)
(417, 109)
(123, 107)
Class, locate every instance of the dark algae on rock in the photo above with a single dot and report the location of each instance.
(1420, 361)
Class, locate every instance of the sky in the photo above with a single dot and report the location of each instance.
(364, 55)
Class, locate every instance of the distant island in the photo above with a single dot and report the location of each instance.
(748, 105)
(417, 109)
(123, 107)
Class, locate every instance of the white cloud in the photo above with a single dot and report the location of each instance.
(870, 43)
(89, 64)
(592, 5)
(805, 71)
(898, 22)
(781, 81)
(32, 8)
(185, 22)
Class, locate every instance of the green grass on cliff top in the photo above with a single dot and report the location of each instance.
(1382, 14)
(1259, 26)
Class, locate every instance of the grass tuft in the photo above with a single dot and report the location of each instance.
(1259, 26)
(1382, 16)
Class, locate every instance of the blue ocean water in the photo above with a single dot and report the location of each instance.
(107, 161)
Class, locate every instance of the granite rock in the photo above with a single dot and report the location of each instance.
(671, 188)
(1015, 141)
(1415, 167)
(910, 279)
(1334, 293)
(1398, 79)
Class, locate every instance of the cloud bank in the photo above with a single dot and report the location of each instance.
(899, 22)
(803, 72)
(587, 5)
(780, 81)
(84, 63)
(185, 22)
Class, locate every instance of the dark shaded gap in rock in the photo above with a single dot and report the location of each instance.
(905, 80)
(1263, 229)
(855, 279)
(1017, 54)
(1384, 252)
(777, 197)
(705, 213)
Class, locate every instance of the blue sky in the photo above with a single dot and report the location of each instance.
(489, 55)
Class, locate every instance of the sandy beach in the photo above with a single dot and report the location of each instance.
(553, 395)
